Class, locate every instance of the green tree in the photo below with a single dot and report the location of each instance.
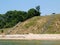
(38, 8)
(2, 21)
(33, 12)
(13, 17)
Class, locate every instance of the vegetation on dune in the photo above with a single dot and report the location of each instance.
(39, 25)
(11, 18)
(22, 22)
(33, 25)
(54, 26)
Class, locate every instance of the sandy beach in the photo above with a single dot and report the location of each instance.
(32, 36)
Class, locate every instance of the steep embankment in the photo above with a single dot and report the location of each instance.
(37, 25)
(33, 25)
(54, 26)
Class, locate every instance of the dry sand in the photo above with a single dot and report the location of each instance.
(32, 36)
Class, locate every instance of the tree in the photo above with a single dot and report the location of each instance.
(13, 17)
(38, 8)
(2, 21)
(33, 12)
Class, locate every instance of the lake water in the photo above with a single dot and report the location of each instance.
(29, 42)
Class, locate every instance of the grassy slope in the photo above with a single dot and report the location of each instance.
(54, 27)
(5, 30)
(36, 24)
(33, 25)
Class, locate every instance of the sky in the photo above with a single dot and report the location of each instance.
(47, 7)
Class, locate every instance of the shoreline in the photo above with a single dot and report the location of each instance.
(31, 37)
